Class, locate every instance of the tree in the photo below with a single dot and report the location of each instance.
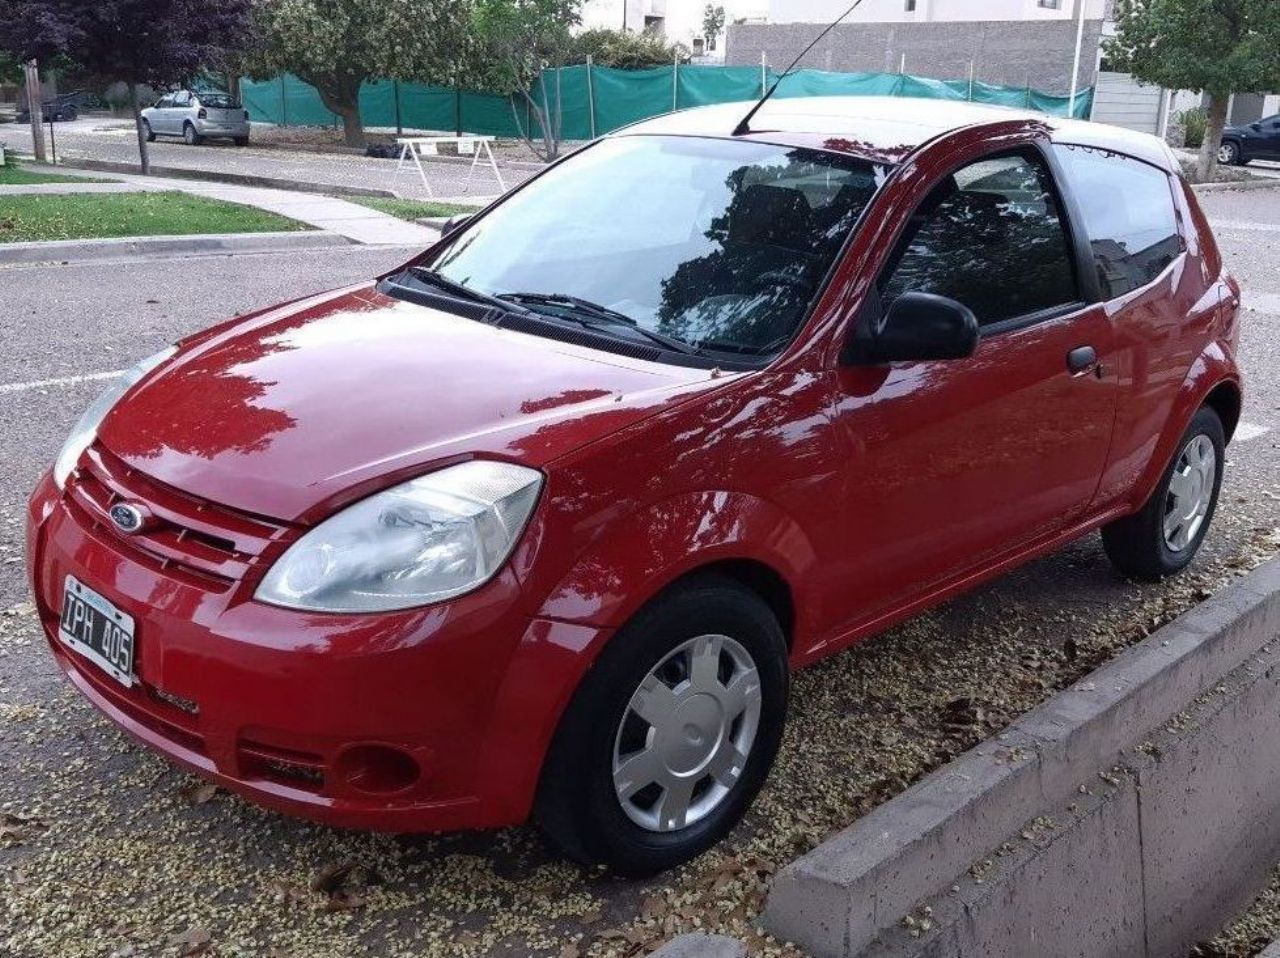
(518, 40)
(1219, 47)
(336, 45)
(625, 50)
(712, 24)
(156, 42)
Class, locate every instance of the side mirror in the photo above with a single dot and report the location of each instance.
(1256, 127)
(454, 223)
(921, 326)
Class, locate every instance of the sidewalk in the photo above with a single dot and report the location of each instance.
(360, 224)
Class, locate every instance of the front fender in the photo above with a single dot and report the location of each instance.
(652, 547)
(1211, 368)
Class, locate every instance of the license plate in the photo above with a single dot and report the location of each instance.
(97, 630)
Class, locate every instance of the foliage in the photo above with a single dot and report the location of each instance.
(156, 42)
(516, 41)
(12, 174)
(1220, 47)
(94, 215)
(335, 45)
(1194, 123)
(625, 49)
(712, 24)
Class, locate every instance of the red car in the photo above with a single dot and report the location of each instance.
(538, 524)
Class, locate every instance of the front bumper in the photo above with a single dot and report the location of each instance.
(286, 707)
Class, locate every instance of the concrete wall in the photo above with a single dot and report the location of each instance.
(1121, 100)
(1006, 52)
(877, 11)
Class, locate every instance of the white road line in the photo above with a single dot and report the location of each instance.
(60, 381)
(1247, 430)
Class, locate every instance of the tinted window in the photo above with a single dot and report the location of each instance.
(181, 99)
(719, 243)
(163, 102)
(218, 101)
(990, 236)
(1128, 214)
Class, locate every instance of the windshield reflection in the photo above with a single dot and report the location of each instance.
(719, 244)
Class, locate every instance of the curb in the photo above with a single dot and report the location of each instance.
(205, 244)
(860, 885)
(1258, 184)
(238, 179)
(701, 945)
(1272, 950)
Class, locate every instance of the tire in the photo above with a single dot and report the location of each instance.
(148, 132)
(578, 805)
(1141, 545)
(1229, 153)
(190, 136)
(241, 140)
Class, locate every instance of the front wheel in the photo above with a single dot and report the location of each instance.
(1166, 534)
(1229, 153)
(671, 733)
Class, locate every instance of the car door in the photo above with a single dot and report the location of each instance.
(958, 463)
(181, 111)
(159, 114)
(1269, 141)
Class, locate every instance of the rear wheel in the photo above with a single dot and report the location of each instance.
(1229, 153)
(1165, 535)
(190, 136)
(671, 733)
(147, 131)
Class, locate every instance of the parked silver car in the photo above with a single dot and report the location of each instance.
(194, 116)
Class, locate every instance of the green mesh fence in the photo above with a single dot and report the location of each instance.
(595, 100)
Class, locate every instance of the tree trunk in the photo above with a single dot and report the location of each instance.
(1207, 167)
(345, 101)
(550, 143)
(143, 155)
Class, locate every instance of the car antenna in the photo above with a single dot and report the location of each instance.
(744, 127)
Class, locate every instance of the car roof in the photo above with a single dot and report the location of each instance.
(887, 129)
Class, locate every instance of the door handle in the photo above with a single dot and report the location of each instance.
(1081, 359)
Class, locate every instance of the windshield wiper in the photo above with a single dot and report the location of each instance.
(580, 308)
(431, 277)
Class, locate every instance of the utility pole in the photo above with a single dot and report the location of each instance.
(35, 100)
(1075, 63)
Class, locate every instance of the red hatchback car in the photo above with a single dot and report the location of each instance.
(539, 523)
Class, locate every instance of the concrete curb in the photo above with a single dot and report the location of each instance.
(1259, 184)
(701, 945)
(207, 244)
(360, 153)
(1272, 950)
(858, 886)
(238, 179)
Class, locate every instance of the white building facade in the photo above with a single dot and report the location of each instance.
(923, 11)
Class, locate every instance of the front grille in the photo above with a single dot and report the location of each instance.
(287, 766)
(190, 538)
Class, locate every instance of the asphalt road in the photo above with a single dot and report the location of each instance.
(106, 850)
(101, 138)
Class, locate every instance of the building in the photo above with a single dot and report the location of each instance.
(932, 11)
(680, 21)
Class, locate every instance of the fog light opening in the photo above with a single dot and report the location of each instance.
(377, 769)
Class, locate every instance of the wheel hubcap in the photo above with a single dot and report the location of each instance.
(1224, 154)
(685, 736)
(1190, 493)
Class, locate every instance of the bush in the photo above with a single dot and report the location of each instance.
(1194, 123)
(626, 50)
(117, 97)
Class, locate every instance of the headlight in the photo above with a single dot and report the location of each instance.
(84, 431)
(434, 537)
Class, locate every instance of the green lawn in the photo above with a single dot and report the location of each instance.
(11, 174)
(410, 209)
(99, 215)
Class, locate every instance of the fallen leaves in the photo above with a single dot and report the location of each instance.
(196, 940)
(199, 793)
(15, 829)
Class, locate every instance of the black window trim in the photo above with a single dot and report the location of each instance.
(1086, 280)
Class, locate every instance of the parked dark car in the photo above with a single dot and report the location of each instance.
(60, 108)
(1254, 141)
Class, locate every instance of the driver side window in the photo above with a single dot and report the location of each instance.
(990, 236)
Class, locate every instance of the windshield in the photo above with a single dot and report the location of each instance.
(716, 244)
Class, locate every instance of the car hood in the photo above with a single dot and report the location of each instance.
(293, 411)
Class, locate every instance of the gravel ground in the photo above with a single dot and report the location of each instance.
(1251, 932)
(107, 850)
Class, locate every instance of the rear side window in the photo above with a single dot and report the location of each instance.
(1128, 214)
(990, 236)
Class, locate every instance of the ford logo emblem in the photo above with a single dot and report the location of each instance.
(127, 518)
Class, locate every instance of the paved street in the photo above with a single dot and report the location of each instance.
(105, 139)
(106, 850)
